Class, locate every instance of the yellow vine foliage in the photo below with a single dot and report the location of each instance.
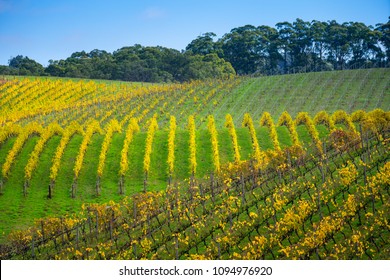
(341, 116)
(292, 218)
(128, 117)
(322, 117)
(358, 116)
(113, 126)
(191, 128)
(266, 120)
(374, 182)
(9, 130)
(304, 118)
(286, 120)
(321, 230)
(131, 130)
(92, 127)
(232, 132)
(153, 126)
(30, 129)
(259, 156)
(52, 129)
(376, 121)
(171, 145)
(48, 97)
(348, 174)
(214, 143)
(67, 134)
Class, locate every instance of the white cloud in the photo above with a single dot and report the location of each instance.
(153, 13)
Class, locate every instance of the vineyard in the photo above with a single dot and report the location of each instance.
(282, 167)
(298, 205)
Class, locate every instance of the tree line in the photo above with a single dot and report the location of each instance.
(300, 46)
(135, 63)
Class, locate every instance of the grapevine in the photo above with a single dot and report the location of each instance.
(258, 155)
(322, 117)
(171, 145)
(153, 126)
(93, 127)
(67, 134)
(286, 120)
(303, 118)
(232, 132)
(214, 143)
(32, 128)
(112, 127)
(53, 129)
(342, 117)
(266, 120)
(191, 128)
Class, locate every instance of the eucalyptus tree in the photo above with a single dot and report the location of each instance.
(203, 44)
(243, 49)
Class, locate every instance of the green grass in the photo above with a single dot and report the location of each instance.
(204, 153)
(348, 90)
(86, 184)
(244, 142)
(13, 214)
(18, 211)
(311, 92)
(158, 162)
(110, 179)
(263, 138)
(336, 202)
(182, 152)
(284, 137)
(226, 152)
(135, 177)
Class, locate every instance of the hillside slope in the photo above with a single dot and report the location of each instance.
(45, 101)
(300, 206)
(37, 103)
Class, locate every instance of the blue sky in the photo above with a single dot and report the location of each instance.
(54, 29)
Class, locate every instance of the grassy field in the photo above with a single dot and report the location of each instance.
(348, 90)
(311, 92)
(298, 208)
(23, 102)
(19, 211)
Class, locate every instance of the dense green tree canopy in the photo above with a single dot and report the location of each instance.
(303, 46)
(203, 44)
(139, 63)
(22, 65)
(300, 46)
